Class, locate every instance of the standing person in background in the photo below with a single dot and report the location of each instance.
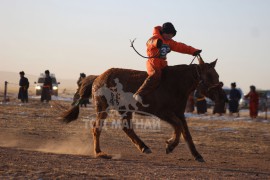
(220, 107)
(200, 102)
(47, 87)
(190, 103)
(234, 99)
(23, 90)
(77, 94)
(79, 82)
(253, 102)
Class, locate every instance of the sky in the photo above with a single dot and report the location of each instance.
(73, 36)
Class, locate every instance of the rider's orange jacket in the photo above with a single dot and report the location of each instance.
(152, 50)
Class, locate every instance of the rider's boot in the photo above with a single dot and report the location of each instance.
(148, 86)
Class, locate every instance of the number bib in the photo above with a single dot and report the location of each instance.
(164, 50)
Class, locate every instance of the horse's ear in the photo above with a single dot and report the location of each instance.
(213, 64)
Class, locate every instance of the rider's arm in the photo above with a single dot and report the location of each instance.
(182, 48)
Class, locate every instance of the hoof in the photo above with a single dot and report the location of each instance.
(146, 151)
(169, 150)
(103, 155)
(199, 159)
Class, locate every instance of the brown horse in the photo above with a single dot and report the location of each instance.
(167, 102)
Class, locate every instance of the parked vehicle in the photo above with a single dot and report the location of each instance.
(244, 103)
(264, 100)
(39, 84)
(209, 102)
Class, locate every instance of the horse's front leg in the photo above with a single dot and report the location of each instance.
(175, 139)
(173, 142)
(128, 129)
(188, 139)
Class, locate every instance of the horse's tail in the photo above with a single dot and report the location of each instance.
(85, 92)
(72, 113)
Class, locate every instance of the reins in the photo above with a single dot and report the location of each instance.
(197, 71)
(192, 60)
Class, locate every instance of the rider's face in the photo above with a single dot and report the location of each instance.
(167, 36)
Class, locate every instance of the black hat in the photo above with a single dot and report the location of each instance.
(168, 28)
(82, 75)
(47, 72)
(22, 73)
(253, 88)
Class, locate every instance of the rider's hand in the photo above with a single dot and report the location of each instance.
(196, 53)
(159, 43)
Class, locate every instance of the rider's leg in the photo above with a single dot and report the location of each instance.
(151, 82)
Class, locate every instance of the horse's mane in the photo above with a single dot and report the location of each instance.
(176, 70)
(179, 68)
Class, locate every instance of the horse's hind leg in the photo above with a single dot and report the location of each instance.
(188, 139)
(128, 129)
(97, 127)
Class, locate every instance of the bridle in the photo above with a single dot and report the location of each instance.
(201, 82)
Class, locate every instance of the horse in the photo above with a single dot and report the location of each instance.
(167, 101)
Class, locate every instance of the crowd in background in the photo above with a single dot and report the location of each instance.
(196, 99)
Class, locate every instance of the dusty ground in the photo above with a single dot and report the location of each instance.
(34, 144)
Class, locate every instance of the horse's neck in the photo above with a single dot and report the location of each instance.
(186, 78)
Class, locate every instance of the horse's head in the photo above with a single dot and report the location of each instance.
(209, 83)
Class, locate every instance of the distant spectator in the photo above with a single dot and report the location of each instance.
(79, 82)
(23, 90)
(77, 95)
(253, 102)
(190, 103)
(200, 102)
(220, 107)
(47, 87)
(234, 99)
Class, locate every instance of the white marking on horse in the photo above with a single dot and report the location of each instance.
(117, 98)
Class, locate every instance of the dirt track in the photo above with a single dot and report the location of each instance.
(34, 144)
